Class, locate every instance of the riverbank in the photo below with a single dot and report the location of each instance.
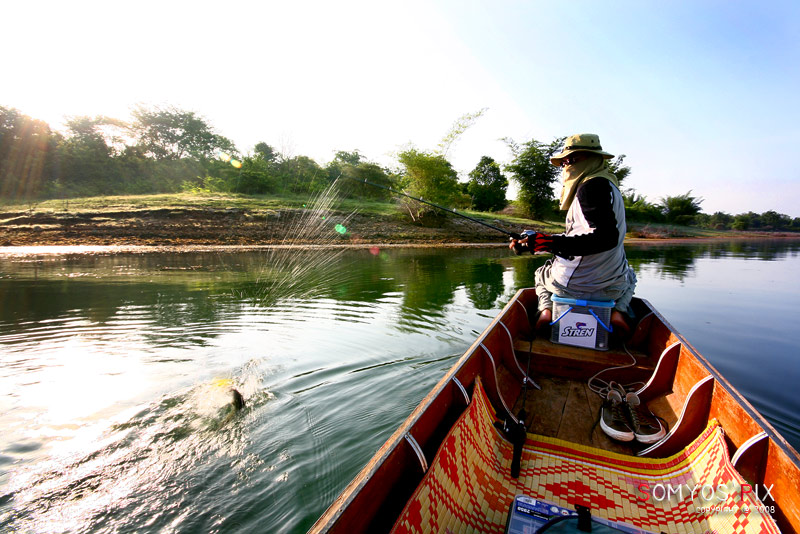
(243, 225)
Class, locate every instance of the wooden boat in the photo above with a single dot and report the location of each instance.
(447, 468)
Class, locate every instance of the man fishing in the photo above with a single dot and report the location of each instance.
(589, 260)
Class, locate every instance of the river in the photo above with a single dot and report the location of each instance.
(115, 368)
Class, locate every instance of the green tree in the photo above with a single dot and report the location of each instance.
(638, 209)
(369, 172)
(618, 168)
(258, 174)
(350, 168)
(27, 148)
(172, 133)
(487, 186)
(255, 177)
(301, 175)
(461, 125)
(681, 209)
(85, 162)
(534, 173)
(773, 220)
(266, 152)
(746, 221)
(430, 177)
(349, 158)
(721, 220)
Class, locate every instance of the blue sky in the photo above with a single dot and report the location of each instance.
(700, 96)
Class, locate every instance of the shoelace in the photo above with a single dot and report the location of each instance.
(634, 413)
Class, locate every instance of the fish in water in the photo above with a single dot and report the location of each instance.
(237, 401)
(236, 398)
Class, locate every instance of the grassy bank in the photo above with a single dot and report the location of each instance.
(232, 219)
(221, 218)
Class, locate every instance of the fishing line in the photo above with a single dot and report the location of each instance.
(512, 235)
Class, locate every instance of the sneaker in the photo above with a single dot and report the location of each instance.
(613, 419)
(646, 426)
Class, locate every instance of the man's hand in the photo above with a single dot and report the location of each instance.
(533, 242)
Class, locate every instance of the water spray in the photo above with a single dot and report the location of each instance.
(512, 235)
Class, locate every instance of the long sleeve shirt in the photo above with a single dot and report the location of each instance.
(590, 255)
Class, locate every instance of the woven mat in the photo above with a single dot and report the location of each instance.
(468, 487)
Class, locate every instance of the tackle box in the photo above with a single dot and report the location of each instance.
(581, 323)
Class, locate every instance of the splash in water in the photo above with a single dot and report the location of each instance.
(302, 265)
(154, 456)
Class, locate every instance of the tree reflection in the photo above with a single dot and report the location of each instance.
(485, 284)
(186, 299)
(677, 261)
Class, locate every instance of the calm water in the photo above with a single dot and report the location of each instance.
(114, 369)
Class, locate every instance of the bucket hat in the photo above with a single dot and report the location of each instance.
(580, 143)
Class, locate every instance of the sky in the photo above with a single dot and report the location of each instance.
(700, 96)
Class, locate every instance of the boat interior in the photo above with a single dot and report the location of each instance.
(518, 369)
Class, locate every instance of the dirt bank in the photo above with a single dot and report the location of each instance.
(203, 226)
(240, 227)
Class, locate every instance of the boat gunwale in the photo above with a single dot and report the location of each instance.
(392, 442)
(335, 510)
(749, 409)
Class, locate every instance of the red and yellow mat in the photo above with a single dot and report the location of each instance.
(468, 487)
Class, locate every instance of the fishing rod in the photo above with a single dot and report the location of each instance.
(512, 235)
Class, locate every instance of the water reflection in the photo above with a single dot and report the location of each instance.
(677, 261)
(107, 360)
(160, 294)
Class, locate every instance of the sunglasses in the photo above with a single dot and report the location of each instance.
(573, 158)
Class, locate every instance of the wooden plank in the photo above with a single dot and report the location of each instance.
(577, 419)
(576, 363)
(545, 407)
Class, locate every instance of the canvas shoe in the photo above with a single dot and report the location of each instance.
(613, 418)
(646, 426)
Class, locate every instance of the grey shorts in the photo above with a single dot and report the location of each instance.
(620, 293)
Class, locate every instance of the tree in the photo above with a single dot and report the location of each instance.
(85, 162)
(745, 221)
(349, 158)
(681, 209)
(350, 168)
(618, 168)
(266, 152)
(775, 221)
(461, 125)
(428, 176)
(337, 168)
(301, 175)
(487, 186)
(534, 173)
(638, 209)
(369, 172)
(720, 220)
(27, 148)
(172, 133)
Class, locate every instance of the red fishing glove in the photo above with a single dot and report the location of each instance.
(533, 242)
(540, 242)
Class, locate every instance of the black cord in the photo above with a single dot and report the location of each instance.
(554, 521)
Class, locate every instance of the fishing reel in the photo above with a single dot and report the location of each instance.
(519, 248)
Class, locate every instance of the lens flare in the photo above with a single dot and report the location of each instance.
(224, 156)
(374, 251)
(340, 228)
(236, 163)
